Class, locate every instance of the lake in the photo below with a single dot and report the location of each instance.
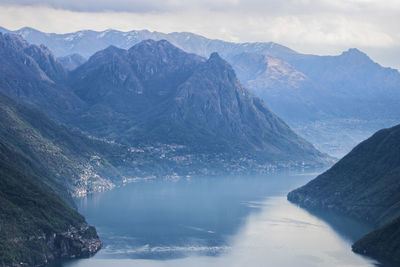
(217, 221)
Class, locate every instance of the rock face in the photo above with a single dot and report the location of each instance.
(364, 185)
(71, 244)
(75, 243)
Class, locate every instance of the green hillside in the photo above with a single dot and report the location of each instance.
(383, 243)
(75, 162)
(365, 184)
(34, 222)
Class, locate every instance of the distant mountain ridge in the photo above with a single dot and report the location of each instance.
(313, 94)
(87, 42)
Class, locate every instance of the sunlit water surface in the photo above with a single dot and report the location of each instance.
(217, 221)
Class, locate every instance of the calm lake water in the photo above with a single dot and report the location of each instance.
(217, 221)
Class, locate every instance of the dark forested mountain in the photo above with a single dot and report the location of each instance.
(382, 244)
(36, 225)
(313, 94)
(156, 93)
(76, 164)
(365, 184)
(41, 166)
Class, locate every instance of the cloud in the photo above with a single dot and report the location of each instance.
(267, 7)
(312, 26)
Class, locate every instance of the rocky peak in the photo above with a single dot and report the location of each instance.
(160, 65)
(216, 60)
(47, 62)
(110, 54)
(160, 51)
(356, 55)
(110, 50)
(215, 56)
(218, 67)
(13, 41)
(146, 47)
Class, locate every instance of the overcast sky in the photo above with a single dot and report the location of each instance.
(310, 26)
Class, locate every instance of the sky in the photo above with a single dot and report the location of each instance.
(323, 27)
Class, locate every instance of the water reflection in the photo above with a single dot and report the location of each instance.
(346, 227)
(239, 221)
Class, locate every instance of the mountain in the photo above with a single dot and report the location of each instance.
(36, 225)
(344, 77)
(364, 185)
(288, 92)
(77, 164)
(71, 62)
(41, 166)
(138, 98)
(31, 74)
(333, 101)
(382, 244)
(355, 85)
(155, 93)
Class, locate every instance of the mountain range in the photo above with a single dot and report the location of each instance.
(88, 42)
(152, 95)
(364, 185)
(313, 94)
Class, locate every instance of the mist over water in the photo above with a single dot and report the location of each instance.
(217, 221)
